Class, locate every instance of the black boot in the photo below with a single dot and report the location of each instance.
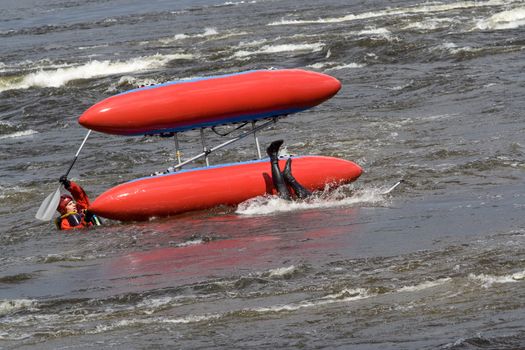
(299, 190)
(277, 176)
(273, 149)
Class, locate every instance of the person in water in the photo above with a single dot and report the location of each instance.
(281, 180)
(73, 209)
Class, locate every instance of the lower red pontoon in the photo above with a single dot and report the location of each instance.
(203, 188)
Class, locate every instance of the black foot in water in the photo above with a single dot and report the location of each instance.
(287, 172)
(273, 149)
(299, 190)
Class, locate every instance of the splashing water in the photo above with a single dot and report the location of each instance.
(61, 76)
(343, 196)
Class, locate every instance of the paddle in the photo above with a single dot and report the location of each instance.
(50, 204)
(393, 187)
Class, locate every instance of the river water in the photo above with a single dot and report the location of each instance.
(433, 93)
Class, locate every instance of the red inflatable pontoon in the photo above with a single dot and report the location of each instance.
(205, 102)
(204, 188)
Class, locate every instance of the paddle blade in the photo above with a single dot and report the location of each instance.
(49, 206)
(393, 187)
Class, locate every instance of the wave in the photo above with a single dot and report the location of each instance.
(341, 197)
(424, 8)
(328, 66)
(488, 280)
(61, 76)
(151, 310)
(343, 296)
(151, 305)
(270, 49)
(468, 52)
(208, 34)
(9, 306)
(430, 24)
(236, 3)
(381, 33)
(54, 258)
(9, 130)
(510, 19)
(146, 321)
(12, 191)
(454, 49)
(346, 295)
(283, 271)
(177, 37)
(103, 328)
(18, 134)
(191, 242)
(346, 66)
(128, 82)
(92, 47)
(29, 65)
(424, 285)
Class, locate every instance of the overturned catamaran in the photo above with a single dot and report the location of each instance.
(167, 109)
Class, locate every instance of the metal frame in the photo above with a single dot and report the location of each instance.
(206, 151)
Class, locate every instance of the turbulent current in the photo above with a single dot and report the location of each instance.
(433, 93)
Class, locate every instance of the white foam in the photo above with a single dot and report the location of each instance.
(13, 336)
(382, 33)
(265, 205)
(92, 69)
(30, 319)
(518, 276)
(210, 31)
(6, 192)
(149, 306)
(190, 243)
(320, 65)
(346, 295)
(488, 280)
(92, 47)
(236, 3)
(177, 37)
(271, 49)
(335, 65)
(448, 46)
(34, 66)
(347, 66)
(426, 8)
(429, 24)
(19, 134)
(424, 285)
(8, 306)
(254, 43)
(188, 319)
(154, 320)
(282, 271)
(127, 80)
(510, 19)
(289, 307)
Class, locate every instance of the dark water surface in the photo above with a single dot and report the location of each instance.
(433, 92)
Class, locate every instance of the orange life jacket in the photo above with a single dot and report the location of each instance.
(75, 220)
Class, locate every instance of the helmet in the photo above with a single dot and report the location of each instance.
(64, 200)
